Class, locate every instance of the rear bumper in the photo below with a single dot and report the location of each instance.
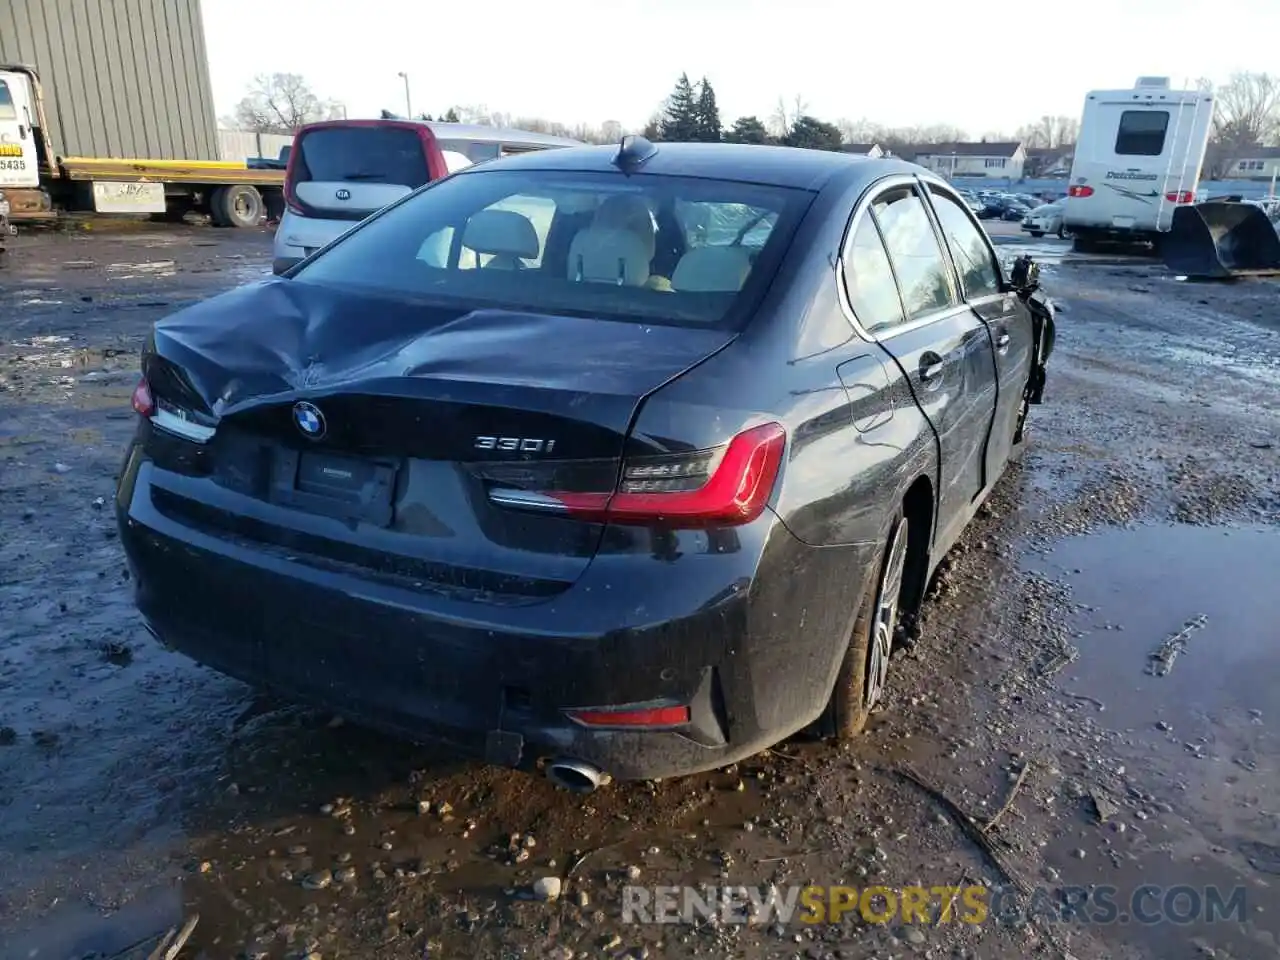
(750, 639)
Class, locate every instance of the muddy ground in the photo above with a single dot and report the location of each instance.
(1101, 648)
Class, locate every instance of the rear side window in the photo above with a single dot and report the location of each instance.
(974, 260)
(656, 249)
(1142, 133)
(868, 280)
(7, 109)
(390, 155)
(473, 150)
(913, 248)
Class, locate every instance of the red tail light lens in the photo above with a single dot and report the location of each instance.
(1079, 191)
(1180, 196)
(724, 486)
(142, 401)
(649, 717)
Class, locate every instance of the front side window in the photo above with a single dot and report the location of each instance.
(645, 247)
(7, 110)
(973, 257)
(913, 248)
(1142, 133)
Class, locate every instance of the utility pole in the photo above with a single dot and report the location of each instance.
(408, 105)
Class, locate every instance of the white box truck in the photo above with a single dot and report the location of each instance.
(1138, 157)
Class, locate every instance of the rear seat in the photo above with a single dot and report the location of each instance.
(712, 270)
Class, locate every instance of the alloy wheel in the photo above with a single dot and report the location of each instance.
(886, 616)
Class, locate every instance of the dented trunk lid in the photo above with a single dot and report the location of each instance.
(425, 410)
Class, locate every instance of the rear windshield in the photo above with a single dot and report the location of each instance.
(393, 155)
(647, 248)
(1141, 133)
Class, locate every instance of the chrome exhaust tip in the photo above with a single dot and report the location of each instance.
(575, 775)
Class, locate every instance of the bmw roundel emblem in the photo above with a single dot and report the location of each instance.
(309, 419)
(343, 194)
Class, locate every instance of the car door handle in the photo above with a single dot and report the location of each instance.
(1002, 343)
(931, 367)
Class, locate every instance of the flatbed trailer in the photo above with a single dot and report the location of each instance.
(39, 184)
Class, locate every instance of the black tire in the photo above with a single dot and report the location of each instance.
(176, 210)
(871, 642)
(238, 206)
(274, 201)
(1021, 434)
(1085, 244)
(1062, 232)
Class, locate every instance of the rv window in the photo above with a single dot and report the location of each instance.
(7, 109)
(1141, 133)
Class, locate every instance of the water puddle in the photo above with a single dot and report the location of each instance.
(1141, 587)
(1175, 711)
(133, 271)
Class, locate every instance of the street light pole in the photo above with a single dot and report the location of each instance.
(408, 106)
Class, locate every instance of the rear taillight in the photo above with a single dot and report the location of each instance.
(722, 486)
(142, 401)
(1079, 190)
(1180, 196)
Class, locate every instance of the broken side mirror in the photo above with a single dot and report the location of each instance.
(1024, 276)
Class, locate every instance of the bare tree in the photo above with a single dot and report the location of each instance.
(1049, 132)
(860, 131)
(281, 103)
(786, 114)
(1247, 115)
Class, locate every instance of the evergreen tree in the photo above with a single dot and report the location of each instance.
(451, 116)
(814, 134)
(748, 130)
(708, 114)
(680, 121)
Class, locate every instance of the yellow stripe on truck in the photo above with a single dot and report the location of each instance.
(159, 164)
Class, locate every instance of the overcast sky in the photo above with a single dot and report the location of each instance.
(594, 60)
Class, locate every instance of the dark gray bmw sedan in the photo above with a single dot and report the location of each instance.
(614, 460)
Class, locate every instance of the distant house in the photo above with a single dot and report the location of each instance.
(863, 149)
(1258, 163)
(1001, 161)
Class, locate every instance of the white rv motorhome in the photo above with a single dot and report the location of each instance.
(1138, 156)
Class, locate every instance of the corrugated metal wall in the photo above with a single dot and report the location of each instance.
(122, 78)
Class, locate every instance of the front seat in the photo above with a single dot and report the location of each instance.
(619, 245)
(506, 236)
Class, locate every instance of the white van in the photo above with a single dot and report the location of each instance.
(1138, 156)
(341, 171)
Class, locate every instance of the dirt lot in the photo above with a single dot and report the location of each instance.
(1099, 655)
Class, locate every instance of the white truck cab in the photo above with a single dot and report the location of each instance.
(19, 161)
(1138, 157)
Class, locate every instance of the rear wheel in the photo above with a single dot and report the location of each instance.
(861, 682)
(236, 206)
